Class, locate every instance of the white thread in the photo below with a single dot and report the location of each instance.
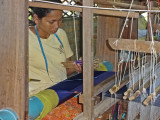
(116, 42)
(126, 19)
(75, 37)
(131, 28)
(114, 5)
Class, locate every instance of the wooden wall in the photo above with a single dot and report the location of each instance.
(13, 56)
(107, 27)
(110, 27)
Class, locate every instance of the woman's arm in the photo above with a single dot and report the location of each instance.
(77, 68)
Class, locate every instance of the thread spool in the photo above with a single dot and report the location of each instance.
(136, 94)
(108, 65)
(101, 67)
(128, 92)
(50, 100)
(35, 107)
(125, 97)
(105, 66)
(8, 114)
(147, 101)
(113, 89)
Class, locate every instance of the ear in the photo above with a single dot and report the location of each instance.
(36, 19)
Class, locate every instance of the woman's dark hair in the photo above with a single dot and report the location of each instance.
(42, 12)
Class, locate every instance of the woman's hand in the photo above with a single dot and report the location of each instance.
(77, 67)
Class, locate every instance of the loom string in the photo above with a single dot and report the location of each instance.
(136, 73)
(120, 73)
(131, 69)
(75, 37)
(131, 57)
(139, 64)
(152, 48)
(129, 53)
(121, 50)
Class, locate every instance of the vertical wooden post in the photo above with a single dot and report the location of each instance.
(13, 56)
(88, 60)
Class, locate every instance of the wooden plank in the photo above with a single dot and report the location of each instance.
(103, 49)
(53, 6)
(99, 108)
(97, 99)
(71, 8)
(115, 13)
(104, 105)
(106, 84)
(127, 29)
(14, 52)
(88, 82)
(133, 45)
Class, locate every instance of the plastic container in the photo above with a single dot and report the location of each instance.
(35, 107)
(8, 114)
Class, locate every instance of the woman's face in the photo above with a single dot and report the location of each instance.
(51, 22)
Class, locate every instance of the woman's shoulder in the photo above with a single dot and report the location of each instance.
(31, 30)
(61, 31)
(32, 35)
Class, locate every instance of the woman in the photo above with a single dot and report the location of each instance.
(48, 47)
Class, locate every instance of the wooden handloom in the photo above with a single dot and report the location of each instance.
(14, 56)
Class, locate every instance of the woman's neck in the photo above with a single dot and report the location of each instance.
(41, 33)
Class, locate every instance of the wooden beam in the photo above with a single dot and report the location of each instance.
(124, 5)
(104, 105)
(100, 108)
(115, 13)
(71, 8)
(14, 56)
(88, 75)
(53, 6)
(106, 84)
(133, 45)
